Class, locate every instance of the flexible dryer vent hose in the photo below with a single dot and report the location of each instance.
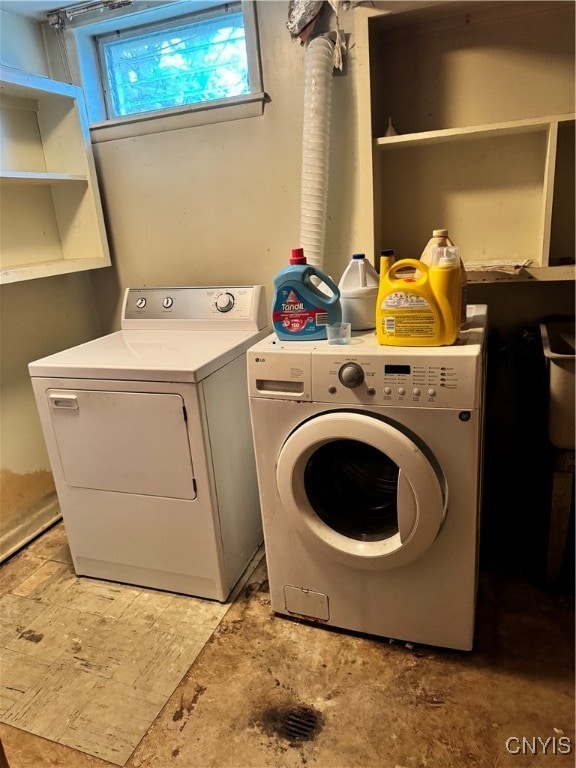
(316, 148)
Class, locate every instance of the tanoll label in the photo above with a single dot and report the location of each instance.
(294, 315)
(293, 303)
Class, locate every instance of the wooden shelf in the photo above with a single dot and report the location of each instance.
(453, 135)
(47, 269)
(51, 213)
(29, 177)
(525, 275)
(482, 97)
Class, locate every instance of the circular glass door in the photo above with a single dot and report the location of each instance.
(352, 486)
(361, 490)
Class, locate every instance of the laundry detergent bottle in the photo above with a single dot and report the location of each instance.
(441, 239)
(300, 310)
(419, 307)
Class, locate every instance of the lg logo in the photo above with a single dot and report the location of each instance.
(259, 359)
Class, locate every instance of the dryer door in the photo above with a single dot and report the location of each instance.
(361, 489)
(128, 442)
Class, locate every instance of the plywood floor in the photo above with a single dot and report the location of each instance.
(89, 663)
(96, 675)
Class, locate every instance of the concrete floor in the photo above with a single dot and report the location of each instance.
(268, 691)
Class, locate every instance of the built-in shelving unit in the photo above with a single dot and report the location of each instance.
(51, 214)
(481, 95)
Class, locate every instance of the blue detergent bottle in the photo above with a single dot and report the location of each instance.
(301, 311)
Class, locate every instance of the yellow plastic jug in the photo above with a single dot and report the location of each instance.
(422, 309)
(440, 238)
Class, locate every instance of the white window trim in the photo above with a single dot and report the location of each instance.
(236, 108)
(82, 61)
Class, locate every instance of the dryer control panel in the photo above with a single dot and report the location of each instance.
(240, 307)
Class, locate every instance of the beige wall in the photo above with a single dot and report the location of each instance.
(221, 203)
(21, 44)
(37, 318)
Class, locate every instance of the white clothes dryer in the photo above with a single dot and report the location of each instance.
(149, 439)
(369, 462)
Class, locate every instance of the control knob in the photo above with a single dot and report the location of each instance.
(351, 375)
(224, 302)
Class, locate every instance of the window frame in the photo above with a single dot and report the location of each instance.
(144, 30)
(81, 52)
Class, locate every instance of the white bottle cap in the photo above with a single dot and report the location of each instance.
(446, 256)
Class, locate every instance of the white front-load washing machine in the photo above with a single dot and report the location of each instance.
(369, 462)
(149, 439)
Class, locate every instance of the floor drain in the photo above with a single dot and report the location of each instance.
(298, 723)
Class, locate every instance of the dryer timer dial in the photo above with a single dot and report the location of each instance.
(351, 375)
(224, 302)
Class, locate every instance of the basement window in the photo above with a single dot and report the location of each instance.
(170, 70)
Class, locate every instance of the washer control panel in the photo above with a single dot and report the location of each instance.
(206, 307)
(448, 382)
(365, 373)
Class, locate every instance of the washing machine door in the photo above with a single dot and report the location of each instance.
(363, 490)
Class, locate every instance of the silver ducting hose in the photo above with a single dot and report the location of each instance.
(316, 148)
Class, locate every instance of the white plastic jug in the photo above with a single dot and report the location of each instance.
(358, 293)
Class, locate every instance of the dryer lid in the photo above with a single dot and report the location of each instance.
(148, 355)
(168, 334)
